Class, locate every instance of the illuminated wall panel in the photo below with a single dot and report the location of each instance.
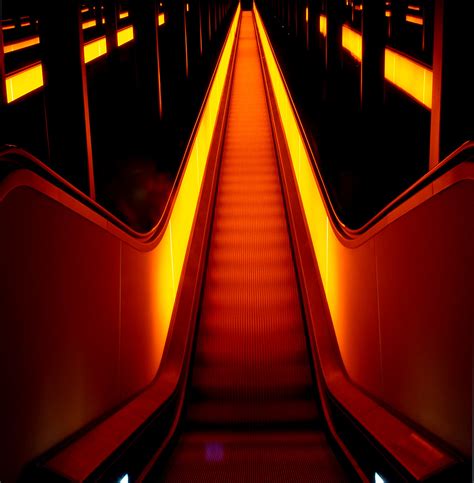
(89, 24)
(414, 19)
(94, 49)
(410, 76)
(21, 44)
(323, 26)
(23, 82)
(125, 35)
(352, 41)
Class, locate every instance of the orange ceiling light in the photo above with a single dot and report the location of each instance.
(21, 44)
(94, 49)
(125, 35)
(23, 82)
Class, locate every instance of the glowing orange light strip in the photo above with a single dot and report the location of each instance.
(414, 19)
(25, 24)
(352, 41)
(88, 24)
(171, 252)
(123, 15)
(307, 14)
(187, 7)
(125, 35)
(388, 13)
(414, 7)
(8, 27)
(84, 10)
(95, 48)
(161, 19)
(323, 25)
(25, 81)
(21, 44)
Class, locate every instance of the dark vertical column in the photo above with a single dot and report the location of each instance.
(98, 12)
(66, 93)
(145, 18)
(373, 56)
(334, 39)
(398, 22)
(185, 30)
(111, 27)
(452, 107)
(428, 25)
(3, 92)
(200, 26)
(314, 12)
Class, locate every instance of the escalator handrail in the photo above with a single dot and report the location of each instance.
(22, 159)
(465, 152)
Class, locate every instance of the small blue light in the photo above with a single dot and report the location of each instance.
(378, 478)
(124, 479)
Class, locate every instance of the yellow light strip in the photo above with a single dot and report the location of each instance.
(125, 35)
(187, 7)
(308, 187)
(352, 41)
(21, 44)
(171, 252)
(123, 15)
(414, 7)
(410, 76)
(161, 19)
(94, 49)
(88, 24)
(323, 25)
(8, 27)
(21, 83)
(84, 10)
(414, 19)
(25, 24)
(307, 14)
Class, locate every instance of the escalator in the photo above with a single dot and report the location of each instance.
(242, 338)
(252, 413)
